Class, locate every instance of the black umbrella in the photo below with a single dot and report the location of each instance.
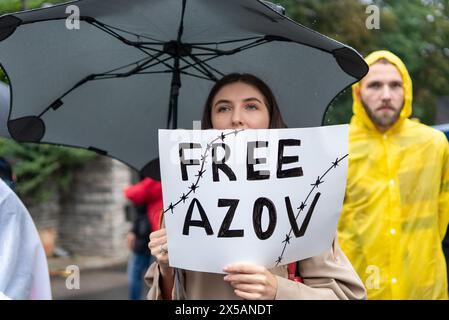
(135, 66)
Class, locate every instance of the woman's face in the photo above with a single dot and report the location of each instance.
(239, 106)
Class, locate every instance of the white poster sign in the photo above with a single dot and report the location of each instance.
(269, 197)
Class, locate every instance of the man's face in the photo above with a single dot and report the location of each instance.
(382, 95)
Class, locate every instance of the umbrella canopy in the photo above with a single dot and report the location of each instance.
(4, 110)
(135, 66)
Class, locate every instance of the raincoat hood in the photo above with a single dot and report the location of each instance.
(360, 114)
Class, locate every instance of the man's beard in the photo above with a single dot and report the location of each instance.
(385, 120)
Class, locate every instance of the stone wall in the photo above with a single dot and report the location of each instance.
(46, 214)
(90, 220)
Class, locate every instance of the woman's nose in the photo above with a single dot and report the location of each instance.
(237, 118)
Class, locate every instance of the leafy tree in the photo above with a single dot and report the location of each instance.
(416, 30)
(36, 165)
(8, 6)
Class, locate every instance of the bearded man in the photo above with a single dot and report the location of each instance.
(396, 208)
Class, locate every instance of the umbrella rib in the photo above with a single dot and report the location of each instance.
(156, 41)
(101, 76)
(58, 103)
(141, 67)
(122, 75)
(205, 54)
(160, 61)
(102, 27)
(183, 72)
(249, 46)
(114, 34)
(154, 72)
(204, 64)
(149, 48)
(108, 29)
(207, 67)
(202, 61)
(245, 47)
(214, 51)
(219, 52)
(136, 70)
(128, 65)
(181, 24)
(202, 69)
(224, 42)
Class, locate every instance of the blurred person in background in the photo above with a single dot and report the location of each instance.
(146, 197)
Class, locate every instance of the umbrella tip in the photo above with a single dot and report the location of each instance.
(351, 62)
(27, 129)
(8, 24)
(276, 7)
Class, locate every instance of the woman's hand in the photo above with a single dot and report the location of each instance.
(158, 247)
(251, 282)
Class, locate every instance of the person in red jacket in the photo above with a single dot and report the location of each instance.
(146, 196)
(148, 192)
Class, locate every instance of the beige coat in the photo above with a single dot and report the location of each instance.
(327, 276)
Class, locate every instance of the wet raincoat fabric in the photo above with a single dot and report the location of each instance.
(396, 207)
(23, 265)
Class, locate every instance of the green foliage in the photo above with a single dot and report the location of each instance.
(416, 30)
(35, 165)
(7, 6)
(2, 76)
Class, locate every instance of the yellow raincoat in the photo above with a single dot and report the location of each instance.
(396, 207)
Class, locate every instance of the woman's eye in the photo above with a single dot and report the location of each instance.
(251, 107)
(223, 108)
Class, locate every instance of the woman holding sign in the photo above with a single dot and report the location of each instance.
(242, 101)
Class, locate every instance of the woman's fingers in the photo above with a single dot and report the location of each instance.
(246, 278)
(247, 295)
(157, 238)
(157, 242)
(157, 234)
(246, 287)
(244, 268)
(251, 281)
(158, 246)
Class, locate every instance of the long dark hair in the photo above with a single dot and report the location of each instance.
(276, 120)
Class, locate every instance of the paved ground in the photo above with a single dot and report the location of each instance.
(100, 278)
(98, 284)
